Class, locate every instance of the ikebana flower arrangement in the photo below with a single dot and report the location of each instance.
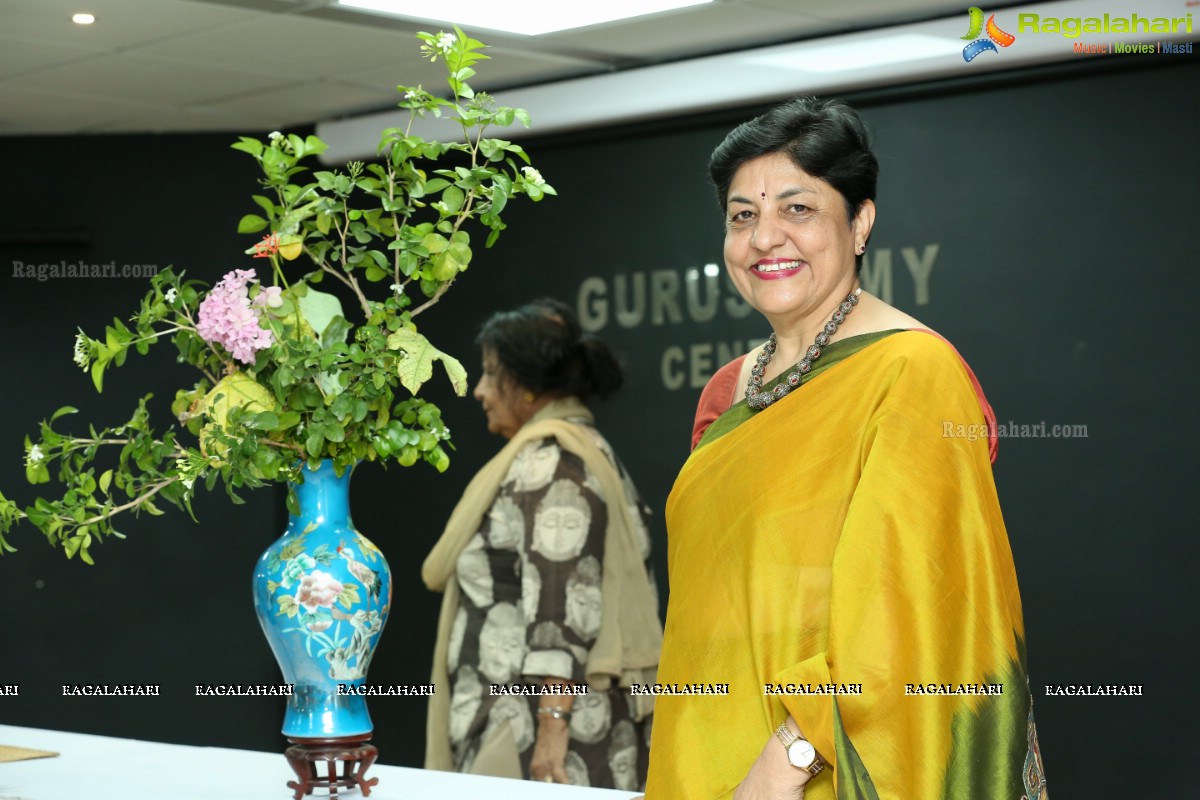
(286, 375)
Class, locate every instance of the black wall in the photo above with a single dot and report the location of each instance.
(1054, 208)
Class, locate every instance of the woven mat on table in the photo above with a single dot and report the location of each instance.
(22, 753)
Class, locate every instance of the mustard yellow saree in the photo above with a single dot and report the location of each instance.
(841, 558)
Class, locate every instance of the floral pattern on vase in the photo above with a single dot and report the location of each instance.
(322, 592)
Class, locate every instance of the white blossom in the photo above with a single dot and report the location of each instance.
(83, 353)
(533, 176)
(35, 456)
(446, 41)
(273, 135)
(170, 296)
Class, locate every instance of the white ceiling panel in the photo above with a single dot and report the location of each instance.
(132, 77)
(191, 65)
(31, 111)
(21, 56)
(290, 107)
(119, 23)
(876, 13)
(288, 47)
(506, 67)
(706, 29)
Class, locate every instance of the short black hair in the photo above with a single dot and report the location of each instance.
(824, 137)
(541, 347)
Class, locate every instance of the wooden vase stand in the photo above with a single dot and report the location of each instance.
(354, 753)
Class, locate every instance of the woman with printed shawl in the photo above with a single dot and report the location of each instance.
(549, 611)
(836, 549)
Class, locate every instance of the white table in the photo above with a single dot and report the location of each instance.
(103, 768)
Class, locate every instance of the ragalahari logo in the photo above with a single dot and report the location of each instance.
(995, 36)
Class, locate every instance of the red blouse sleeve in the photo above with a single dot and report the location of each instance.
(717, 397)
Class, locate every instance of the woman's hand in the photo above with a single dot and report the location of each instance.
(772, 777)
(550, 751)
(553, 734)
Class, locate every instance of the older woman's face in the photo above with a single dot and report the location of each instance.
(501, 399)
(789, 248)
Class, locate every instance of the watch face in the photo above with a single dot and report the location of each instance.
(801, 754)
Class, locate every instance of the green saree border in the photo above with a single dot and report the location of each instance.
(831, 356)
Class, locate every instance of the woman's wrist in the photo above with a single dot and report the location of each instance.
(558, 705)
(554, 710)
(548, 714)
(789, 736)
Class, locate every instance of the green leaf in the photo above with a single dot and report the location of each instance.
(314, 145)
(264, 421)
(438, 458)
(331, 382)
(335, 332)
(84, 555)
(408, 456)
(324, 221)
(37, 473)
(264, 203)
(453, 198)
(416, 367)
(247, 145)
(98, 373)
(251, 223)
(106, 480)
(63, 411)
(288, 419)
(434, 242)
(319, 309)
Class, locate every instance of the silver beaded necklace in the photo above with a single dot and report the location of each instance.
(756, 397)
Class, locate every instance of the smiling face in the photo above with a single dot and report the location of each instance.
(789, 247)
(501, 399)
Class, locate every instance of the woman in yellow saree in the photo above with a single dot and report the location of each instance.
(836, 549)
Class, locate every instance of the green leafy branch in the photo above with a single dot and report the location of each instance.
(321, 387)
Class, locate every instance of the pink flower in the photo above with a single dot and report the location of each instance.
(317, 590)
(271, 296)
(228, 319)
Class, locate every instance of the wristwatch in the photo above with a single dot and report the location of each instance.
(800, 752)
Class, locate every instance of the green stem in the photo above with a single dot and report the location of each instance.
(112, 512)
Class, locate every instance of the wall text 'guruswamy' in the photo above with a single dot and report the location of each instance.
(666, 297)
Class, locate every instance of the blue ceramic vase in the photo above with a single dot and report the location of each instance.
(322, 592)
